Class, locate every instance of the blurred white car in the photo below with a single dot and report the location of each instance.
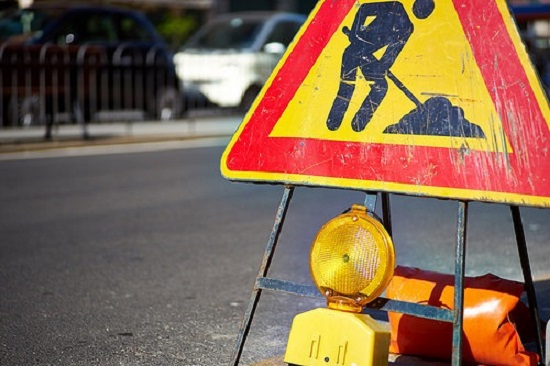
(229, 59)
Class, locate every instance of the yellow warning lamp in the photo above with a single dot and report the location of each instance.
(352, 261)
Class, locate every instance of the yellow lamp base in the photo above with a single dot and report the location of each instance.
(332, 337)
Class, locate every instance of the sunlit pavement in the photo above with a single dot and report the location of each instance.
(113, 137)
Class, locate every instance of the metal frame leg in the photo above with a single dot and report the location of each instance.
(386, 212)
(528, 278)
(264, 268)
(460, 255)
(547, 343)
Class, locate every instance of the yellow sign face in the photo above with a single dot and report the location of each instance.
(405, 96)
(421, 67)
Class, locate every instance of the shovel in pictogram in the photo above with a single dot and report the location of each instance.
(435, 117)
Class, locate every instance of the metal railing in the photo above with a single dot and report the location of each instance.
(48, 84)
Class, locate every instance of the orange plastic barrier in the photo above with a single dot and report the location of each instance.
(489, 334)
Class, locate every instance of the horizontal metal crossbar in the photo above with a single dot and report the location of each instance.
(273, 284)
(419, 310)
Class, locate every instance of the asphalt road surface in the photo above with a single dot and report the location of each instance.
(148, 258)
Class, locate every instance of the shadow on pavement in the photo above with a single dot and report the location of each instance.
(32, 139)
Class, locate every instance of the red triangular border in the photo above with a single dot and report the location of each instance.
(522, 172)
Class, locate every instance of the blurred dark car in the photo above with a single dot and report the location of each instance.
(79, 61)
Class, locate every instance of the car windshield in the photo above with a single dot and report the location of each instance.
(236, 33)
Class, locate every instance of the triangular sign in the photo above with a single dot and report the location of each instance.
(420, 97)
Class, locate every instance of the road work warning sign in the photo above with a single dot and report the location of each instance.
(421, 97)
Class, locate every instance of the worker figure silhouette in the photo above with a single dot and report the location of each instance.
(386, 34)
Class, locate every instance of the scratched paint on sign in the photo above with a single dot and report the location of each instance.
(405, 96)
(417, 83)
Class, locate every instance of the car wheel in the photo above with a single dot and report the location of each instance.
(248, 98)
(25, 111)
(169, 105)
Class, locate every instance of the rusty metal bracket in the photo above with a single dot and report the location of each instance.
(370, 201)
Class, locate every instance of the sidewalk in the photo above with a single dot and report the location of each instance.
(113, 133)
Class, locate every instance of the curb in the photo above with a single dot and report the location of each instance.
(117, 133)
(33, 145)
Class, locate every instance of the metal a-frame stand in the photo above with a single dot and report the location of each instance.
(424, 311)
